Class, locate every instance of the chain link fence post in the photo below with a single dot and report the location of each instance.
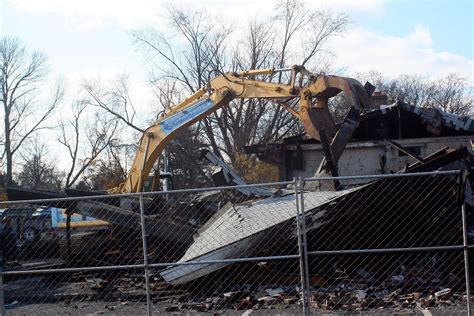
(2, 300)
(305, 243)
(465, 242)
(145, 256)
(302, 249)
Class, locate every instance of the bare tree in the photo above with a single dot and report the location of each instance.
(167, 92)
(22, 75)
(317, 26)
(115, 100)
(412, 90)
(451, 93)
(84, 143)
(107, 172)
(199, 48)
(37, 172)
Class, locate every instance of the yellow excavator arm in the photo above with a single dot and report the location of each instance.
(313, 92)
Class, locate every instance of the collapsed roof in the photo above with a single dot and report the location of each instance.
(395, 121)
(402, 120)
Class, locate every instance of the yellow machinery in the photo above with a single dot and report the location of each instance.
(312, 91)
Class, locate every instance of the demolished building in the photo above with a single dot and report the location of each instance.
(247, 229)
(393, 138)
(387, 138)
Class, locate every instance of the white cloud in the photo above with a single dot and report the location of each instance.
(421, 36)
(361, 50)
(368, 6)
(92, 13)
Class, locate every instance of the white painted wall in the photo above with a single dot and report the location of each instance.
(364, 158)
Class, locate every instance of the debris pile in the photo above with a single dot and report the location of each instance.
(397, 292)
(327, 293)
(361, 300)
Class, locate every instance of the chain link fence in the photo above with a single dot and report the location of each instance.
(379, 244)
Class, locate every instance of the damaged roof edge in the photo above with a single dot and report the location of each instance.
(433, 116)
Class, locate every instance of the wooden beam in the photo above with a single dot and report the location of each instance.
(406, 151)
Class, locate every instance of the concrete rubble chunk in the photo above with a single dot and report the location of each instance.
(275, 292)
(443, 294)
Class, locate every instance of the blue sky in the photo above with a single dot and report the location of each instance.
(451, 22)
(82, 37)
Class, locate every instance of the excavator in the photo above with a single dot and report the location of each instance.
(310, 91)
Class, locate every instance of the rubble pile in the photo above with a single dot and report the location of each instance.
(405, 288)
(341, 298)
(242, 299)
(350, 298)
(396, 293)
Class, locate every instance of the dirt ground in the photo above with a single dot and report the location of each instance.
(139, 308)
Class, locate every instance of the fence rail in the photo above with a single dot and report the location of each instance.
(379, 244)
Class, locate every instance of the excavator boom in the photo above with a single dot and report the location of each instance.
(313, 93)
